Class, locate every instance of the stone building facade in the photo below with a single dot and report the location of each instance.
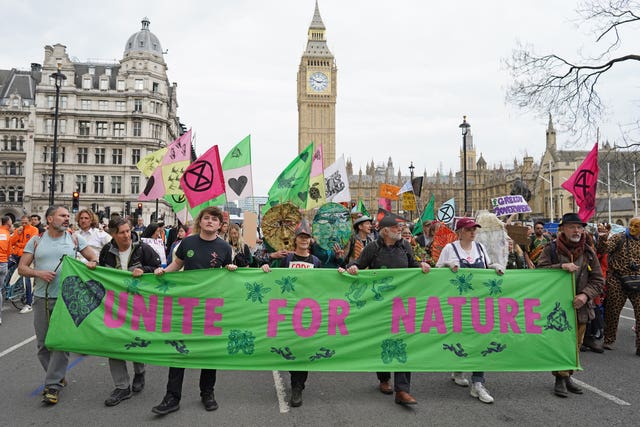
(111, 114)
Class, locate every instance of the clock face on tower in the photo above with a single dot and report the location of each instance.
(318, 81)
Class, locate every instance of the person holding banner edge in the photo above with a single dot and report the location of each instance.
(202, 250)
(390, 250)
(571, 253)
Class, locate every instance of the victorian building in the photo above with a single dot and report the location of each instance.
(111, 114)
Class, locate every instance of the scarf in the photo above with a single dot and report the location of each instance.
(570, 249)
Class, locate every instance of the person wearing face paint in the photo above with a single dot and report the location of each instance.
(390, 250)
(623, 260)
(571, 252)
(467, 253)
(45, 252)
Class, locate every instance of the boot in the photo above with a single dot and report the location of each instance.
(572, 387)
(594, 344)
(560, 388)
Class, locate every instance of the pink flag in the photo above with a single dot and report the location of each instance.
(384, 203)
(582, 184)
(165, 178)
(203, 179)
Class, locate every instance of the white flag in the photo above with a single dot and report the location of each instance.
(337, 182)
(447, 211)
(406, 188)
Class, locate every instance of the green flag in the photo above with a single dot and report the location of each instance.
(292, 185)
(427, 215)
(360, 208)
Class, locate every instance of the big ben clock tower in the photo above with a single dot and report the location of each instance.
(317, 93)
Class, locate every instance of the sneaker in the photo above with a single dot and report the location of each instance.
(26, 309)
(478, 391)
(138, 383)
(118, 395)
(169, 404)
(209, 401)
(459, 379)
(50, 396)
(296, 397)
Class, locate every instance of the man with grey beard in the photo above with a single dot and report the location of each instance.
(45, 251)
(571, 252)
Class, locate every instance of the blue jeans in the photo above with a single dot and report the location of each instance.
(12, 266)
(3, 273)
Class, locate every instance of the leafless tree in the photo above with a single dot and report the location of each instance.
(567, 88)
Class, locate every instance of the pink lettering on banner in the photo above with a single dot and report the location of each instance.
(508, 308)
(316, 317)
(148, 315)
(489, 315)
(456, 304)
(211, 317)
(188, 305)
(338, 312)
(531, 316)
(274, 316)
(433, 317)
(167, 312)
(408, 316)
(121, 314)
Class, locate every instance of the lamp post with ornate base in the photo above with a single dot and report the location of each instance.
(465, 129)
(58, 79)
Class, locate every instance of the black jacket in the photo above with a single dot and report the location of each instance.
(142, 256)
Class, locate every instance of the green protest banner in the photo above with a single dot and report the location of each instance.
(320, 320)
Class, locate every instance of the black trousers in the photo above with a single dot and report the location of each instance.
(298, 378)
(401, 380)
(176, 377)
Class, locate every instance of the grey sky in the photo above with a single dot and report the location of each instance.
(407, 71)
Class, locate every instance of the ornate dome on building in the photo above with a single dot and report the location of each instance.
(143, 41)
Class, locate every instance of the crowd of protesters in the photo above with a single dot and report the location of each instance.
(606, 267)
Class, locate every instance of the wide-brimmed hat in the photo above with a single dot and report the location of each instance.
(360, 220)
(303, 228)
(466, 223)
(571, 218)
(388, 219)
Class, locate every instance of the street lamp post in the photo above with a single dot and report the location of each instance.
(58, 79)
(635, 190)
(411, 169)
(465, 129)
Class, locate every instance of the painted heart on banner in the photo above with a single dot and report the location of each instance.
(302, 196)
(81, 298)
(237, 185)
(150, 183)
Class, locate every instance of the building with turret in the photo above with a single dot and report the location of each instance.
(111, 114)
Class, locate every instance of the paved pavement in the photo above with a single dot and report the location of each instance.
(248, 398)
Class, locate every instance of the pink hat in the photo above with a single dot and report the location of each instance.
(466, 223)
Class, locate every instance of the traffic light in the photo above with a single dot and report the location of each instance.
(127, 208)
(75, 206)
(94, 207)
(139, 210)
(107, 212)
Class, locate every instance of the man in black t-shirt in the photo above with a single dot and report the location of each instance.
(202, 250)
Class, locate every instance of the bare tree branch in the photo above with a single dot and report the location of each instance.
(568, 89)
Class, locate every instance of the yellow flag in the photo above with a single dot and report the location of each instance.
(151, 161)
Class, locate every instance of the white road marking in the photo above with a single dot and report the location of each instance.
(17, 346)
(601, 393)
(279, 385)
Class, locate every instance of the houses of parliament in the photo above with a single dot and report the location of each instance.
(542, 177)
(111, 114)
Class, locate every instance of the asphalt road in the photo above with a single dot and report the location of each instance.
(248, 398)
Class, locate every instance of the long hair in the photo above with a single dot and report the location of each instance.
(239, 244)
(150, 230)
(92, 215)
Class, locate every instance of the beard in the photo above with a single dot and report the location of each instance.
(575, 239)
